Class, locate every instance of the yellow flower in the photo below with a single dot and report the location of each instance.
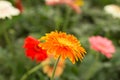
(64, 45)
(79, 2)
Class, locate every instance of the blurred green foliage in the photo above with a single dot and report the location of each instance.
(38, 19)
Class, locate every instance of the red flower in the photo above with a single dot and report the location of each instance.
(33, 51)
(19, 5)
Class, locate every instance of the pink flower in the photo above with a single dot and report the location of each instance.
(74, 4)
(53, 2)
(102, 45)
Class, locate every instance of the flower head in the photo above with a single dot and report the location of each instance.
(74, 4)
(53, 2)
(61, 44)
(7, 10)
(112, 9)
(49, 65)
(19, 5)
(32, 49)
(102, 45)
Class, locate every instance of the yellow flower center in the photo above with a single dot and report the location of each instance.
(64, 42)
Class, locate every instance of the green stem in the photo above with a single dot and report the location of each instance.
(31, 71)
(67, 18)
(54, 69)
(8, 41)
(98, 56)
(57, 20)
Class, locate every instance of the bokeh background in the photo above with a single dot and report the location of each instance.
(37, 18)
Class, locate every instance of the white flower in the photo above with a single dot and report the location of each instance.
(112, 9)
(7, 10)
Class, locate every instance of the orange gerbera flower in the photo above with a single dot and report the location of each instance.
(61, 44)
